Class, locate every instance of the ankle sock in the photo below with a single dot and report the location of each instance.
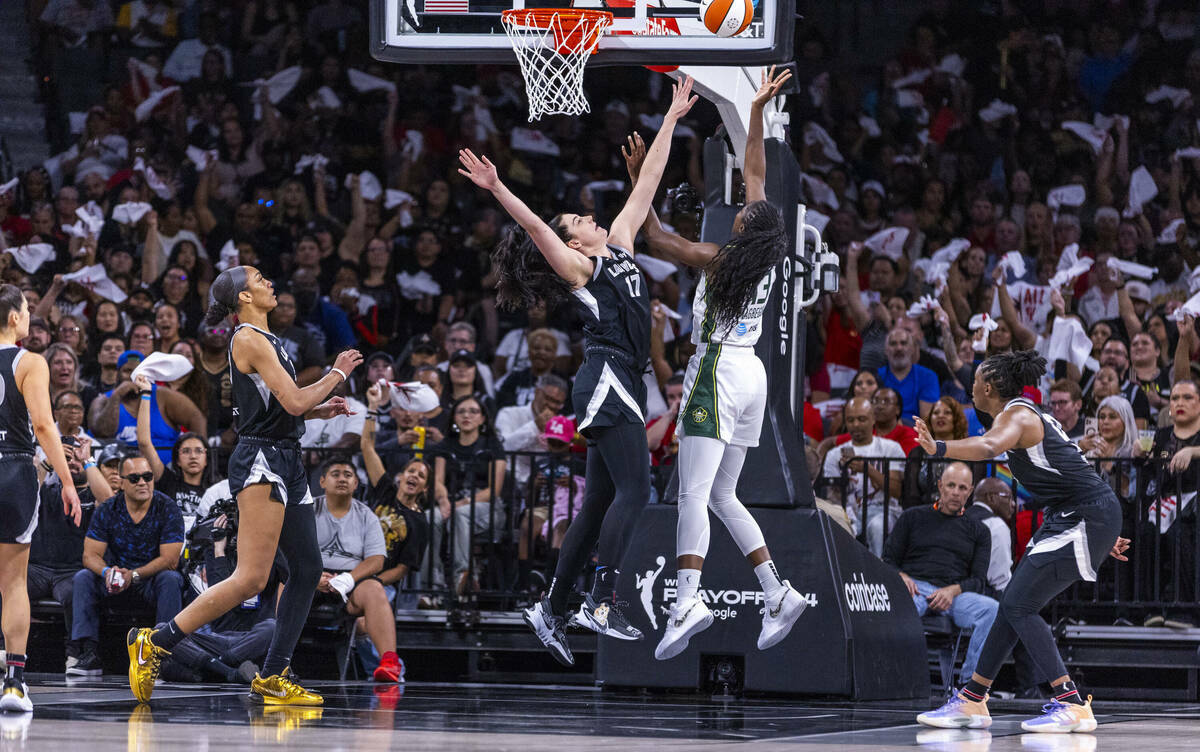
(221, 669)
(167, 636)
(769, 580)
(975, 691)
(1067, 693)
(16, 666)
(688, 585)
(604, 589)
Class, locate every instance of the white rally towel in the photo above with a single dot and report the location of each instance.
(1130, 268)
(870, 125)
(414, 142)
(92, 222)
(1169, 233)
(1088, 132)
(952, 64)
(10, 186)
(414, 396)
(936, 274)
(30, 257)
(1189, 152)
(157, 184)
(77, 230)
(131, 213)
(822, 194)
(907, 98)
(95, 280)
(1066, 195)
(368, 185)
(1190, 307)
(534, 142)
(1194, 282)
(924, 304)
(816, 219)
(1169, 93)
(912, 79)
(950, 252)
(310, 160)
(465, 96)
(1070, 267)
(324, 97)
(278, 87)
(814, 134)
(393, 198)
(1106, 122)
(1069, 342)
(414, 286)
(654, 122)
(1014, 262)
(228, 257)
(889, 241)
(1141, 190)
(364, 82)
(202, 158)
(154, 100)
(985, 325)
(997, 110)
(163, 367)
(655, 268)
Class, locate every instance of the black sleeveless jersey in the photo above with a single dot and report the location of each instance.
(16, 431)
(256, 411)
(615, 306)
(1054, 471)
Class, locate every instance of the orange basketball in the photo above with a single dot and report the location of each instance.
(726, 18)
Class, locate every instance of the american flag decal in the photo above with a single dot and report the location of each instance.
(447, 6)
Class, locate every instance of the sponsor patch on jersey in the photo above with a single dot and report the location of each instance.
(741, 327)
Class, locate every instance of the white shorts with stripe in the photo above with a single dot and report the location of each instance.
(724, 395)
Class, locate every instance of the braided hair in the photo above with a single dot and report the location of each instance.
(1010, 372)
(524, 276)
(734, 273)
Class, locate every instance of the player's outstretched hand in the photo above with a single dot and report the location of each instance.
(634, 152)
(924, 437)
(770, 86)
(1119, 548)
(331, 408)
(479, 169)
(348, 360)
(681, 100)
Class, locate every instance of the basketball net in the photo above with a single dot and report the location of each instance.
(553, 47)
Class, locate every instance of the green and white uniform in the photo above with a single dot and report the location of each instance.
(725, 388)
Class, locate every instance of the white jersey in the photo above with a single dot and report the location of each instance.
(746, 331)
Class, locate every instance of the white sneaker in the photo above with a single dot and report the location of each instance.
(15, 697)
(779, 617)
(1062, 718)
(686, 619)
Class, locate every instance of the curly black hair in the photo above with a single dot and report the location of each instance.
(524, 277)
(733, 275)
(1010, 372)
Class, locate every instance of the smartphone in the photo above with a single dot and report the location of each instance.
(1089, 426)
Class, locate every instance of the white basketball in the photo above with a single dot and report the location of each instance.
(726, 18)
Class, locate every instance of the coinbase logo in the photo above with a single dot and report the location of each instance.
(866, 596)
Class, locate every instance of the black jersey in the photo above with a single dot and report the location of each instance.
(615, 306)
(16, 431)
(255, 409)
(1054, 470)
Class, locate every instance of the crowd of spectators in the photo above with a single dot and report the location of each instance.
(1014, 175)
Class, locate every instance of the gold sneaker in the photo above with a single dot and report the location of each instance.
(145, 659)
(281, 689)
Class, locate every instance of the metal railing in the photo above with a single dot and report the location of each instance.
(1158, 510)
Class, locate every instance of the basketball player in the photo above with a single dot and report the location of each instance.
(1082, 526)
(266, 476)
(725, 391)
(573, 258)
(24, 402)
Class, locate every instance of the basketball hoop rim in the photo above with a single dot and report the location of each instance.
(541, 18)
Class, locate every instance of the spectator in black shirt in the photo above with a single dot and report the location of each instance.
(518, 387)
(1066, 404)
(469, 468)
(213, 362)
(401, 504)
(183, 480)
(110, 350)
(56, 550)
(1146, 373)
(943, 558)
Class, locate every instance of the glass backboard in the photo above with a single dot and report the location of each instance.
(644, 32)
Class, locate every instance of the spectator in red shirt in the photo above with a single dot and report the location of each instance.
(886, 405)
(660, 432)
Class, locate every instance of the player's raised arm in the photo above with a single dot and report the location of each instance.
(625, 226)
(754, 168)
(573, 267)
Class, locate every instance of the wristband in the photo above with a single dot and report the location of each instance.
(89, 465)
(339, 372)
(146, 398)
(104, 572)
(941, 449)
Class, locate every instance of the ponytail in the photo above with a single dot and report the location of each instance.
(223, 295)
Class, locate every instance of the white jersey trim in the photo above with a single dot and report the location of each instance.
(609, 381)
(1076, 537)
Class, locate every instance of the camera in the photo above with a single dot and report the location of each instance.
(685, 200)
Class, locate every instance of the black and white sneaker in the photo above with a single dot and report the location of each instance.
(14, 698)
(604, 619)
(88, 666)
(550, 629)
